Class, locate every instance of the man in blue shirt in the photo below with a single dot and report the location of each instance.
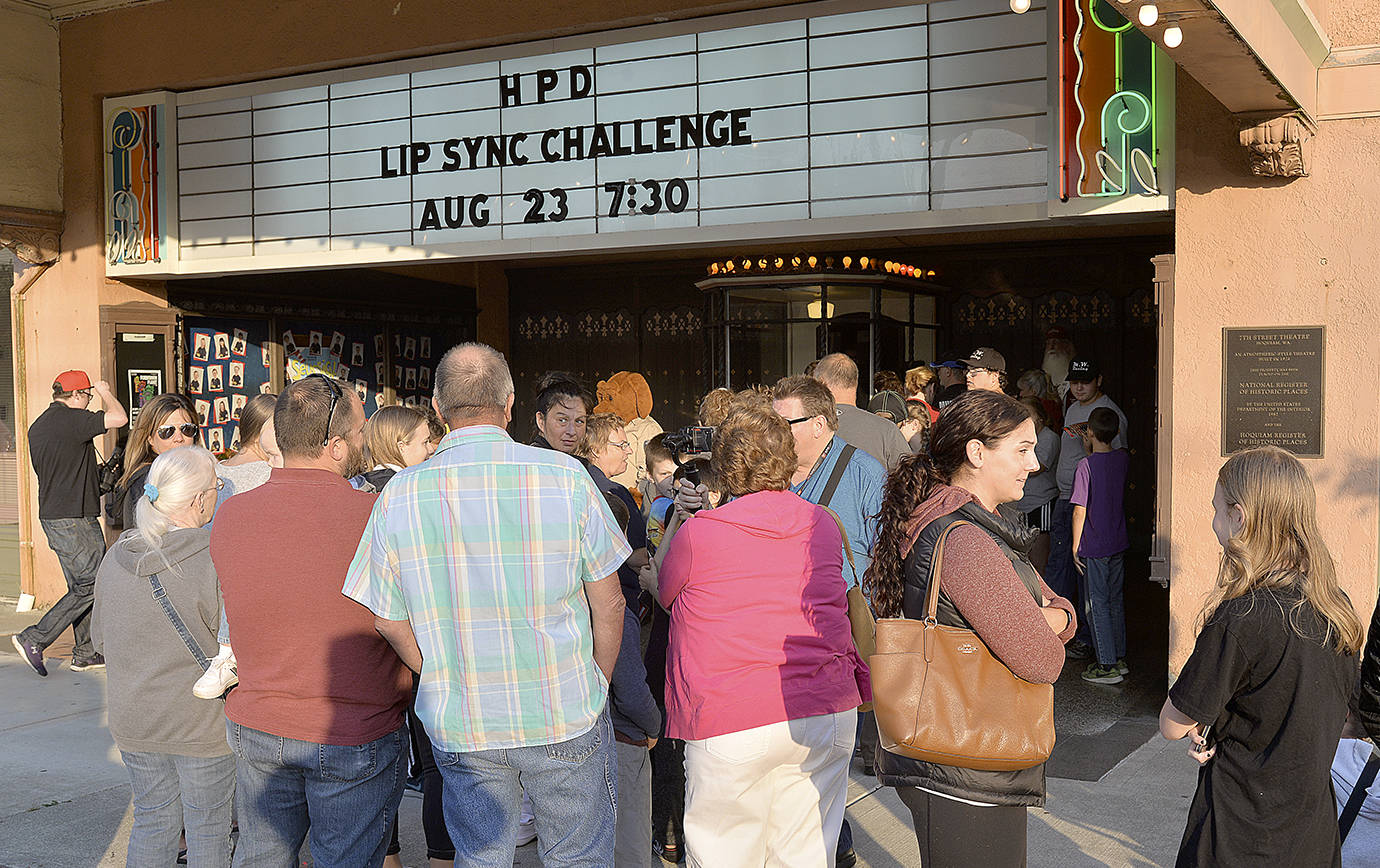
(832, 473)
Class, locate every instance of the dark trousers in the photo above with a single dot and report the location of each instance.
(438, 843)
(957, 835)
(1061, 575)
(79, 545)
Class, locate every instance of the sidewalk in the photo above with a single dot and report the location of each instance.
(66, 803)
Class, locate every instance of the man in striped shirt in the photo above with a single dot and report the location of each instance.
(492, 570)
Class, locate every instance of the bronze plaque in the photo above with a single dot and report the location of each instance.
(1272, 389)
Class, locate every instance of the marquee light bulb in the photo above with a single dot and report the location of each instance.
(1020, 6)
(1149, 14)
(1173, 36)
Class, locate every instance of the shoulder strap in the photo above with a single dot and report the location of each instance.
(937, 557)
(847, 549)
(161, 595)
(1358, 795)
(839, 466)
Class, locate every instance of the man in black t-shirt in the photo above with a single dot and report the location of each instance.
(69, 508)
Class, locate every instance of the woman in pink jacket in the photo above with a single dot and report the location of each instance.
(762, 680)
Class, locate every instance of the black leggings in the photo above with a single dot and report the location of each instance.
(957, 835)
(438, 843)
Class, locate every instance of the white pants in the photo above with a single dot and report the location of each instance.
(770, 795)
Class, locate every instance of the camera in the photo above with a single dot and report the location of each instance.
(691, 440)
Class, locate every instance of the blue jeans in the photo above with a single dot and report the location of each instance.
(1061, 575)
(345, 795)
(1104, 607)
(79, 545)
(573, 786)
(174, 792)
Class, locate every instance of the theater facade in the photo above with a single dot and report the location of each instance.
(716, 194)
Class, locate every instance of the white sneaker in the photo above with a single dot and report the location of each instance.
(218, 678)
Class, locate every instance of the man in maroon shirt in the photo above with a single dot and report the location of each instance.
(316, 722)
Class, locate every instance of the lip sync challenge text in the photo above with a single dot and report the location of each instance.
(714, 129)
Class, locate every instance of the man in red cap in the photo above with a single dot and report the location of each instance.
(69, 508)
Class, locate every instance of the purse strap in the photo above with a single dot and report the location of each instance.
(161, 595)
(847, 549)
(1358, 795)
(932, 591)
(832, 483)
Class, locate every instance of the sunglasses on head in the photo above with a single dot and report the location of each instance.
(336, 395)
(166, 431)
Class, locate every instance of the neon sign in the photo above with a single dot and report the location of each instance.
(1109, 100)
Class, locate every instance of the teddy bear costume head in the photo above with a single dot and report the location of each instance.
(627, 394)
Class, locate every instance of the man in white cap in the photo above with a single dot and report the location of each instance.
(69, 508)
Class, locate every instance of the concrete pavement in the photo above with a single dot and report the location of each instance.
(66, 800)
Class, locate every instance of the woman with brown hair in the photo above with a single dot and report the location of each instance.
(248, 468)
(980, 453)
(762, 680)
(165, 423)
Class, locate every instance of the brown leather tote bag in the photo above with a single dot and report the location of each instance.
(940, 696)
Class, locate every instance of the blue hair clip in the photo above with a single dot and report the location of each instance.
(150, 491)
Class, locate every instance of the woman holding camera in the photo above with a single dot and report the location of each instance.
(762, 680)
(982, 449)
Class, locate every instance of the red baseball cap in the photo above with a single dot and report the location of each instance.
(72, 381)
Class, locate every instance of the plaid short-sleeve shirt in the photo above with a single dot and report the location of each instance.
(485, 549)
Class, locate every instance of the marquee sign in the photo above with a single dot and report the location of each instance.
(705, 131)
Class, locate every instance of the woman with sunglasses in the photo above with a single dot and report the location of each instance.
(165, 423)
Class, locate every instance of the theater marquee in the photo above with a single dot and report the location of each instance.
(696, 132)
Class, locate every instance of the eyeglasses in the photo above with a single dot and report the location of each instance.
(801, 419)
(972, 371)
(624, 445)
(165, 432)
(336, 395)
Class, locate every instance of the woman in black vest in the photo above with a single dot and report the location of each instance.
(982, 448)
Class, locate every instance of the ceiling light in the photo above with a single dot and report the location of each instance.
(1020, 6)
(1149, 14)
(1173, 36)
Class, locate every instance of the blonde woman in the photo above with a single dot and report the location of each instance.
(1264, 693)
(181, 770)
(394, 438)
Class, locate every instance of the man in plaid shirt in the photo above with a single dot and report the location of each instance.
(492, 569)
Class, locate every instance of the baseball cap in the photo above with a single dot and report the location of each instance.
(1083, 370)
(72, 381)
(948, 364)
(986, 357)
(890, 403)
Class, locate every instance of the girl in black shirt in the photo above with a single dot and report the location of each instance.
(1264, 693)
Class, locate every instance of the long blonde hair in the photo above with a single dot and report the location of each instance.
(1279, 544)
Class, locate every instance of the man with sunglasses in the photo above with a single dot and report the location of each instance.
(316, 721)
(69, 508)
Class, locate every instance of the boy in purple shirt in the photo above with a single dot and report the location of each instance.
(1099, 544)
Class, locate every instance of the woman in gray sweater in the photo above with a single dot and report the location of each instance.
(181, 770)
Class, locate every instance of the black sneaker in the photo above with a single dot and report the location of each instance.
(32, 654)
(1076, 650)
(81, 664)
(668, 852)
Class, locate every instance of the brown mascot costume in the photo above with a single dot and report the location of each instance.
(627, 394)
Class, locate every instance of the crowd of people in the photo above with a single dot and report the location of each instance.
(349, 605)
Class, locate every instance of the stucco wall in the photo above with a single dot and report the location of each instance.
(29, 113)
(1257, 252)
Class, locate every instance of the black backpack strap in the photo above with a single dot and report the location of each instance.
(161, 595)
(839, 466)
(1358, 795)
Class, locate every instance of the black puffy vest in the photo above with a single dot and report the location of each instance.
(1020, 787)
